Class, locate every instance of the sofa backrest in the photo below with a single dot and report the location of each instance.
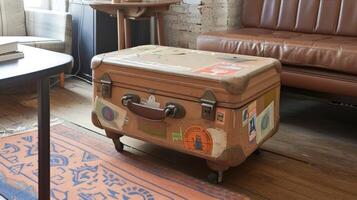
(337, 17)
(12, 16)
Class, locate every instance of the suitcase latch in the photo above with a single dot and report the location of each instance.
(106, 84)
(208, 104)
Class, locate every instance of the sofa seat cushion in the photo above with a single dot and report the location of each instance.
(38, 42)
(336, 53)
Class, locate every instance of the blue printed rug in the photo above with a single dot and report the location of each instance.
(86, 166)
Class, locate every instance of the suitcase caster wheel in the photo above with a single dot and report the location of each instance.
(119, 146)
(215, 177)
(257, 152)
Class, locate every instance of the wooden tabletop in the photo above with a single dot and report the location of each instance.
(111, 8)
(143, 3)
(36, 64)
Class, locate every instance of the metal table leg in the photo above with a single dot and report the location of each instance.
(43, 139)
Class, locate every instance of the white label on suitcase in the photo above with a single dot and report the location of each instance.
(151, 102)
(219, 138)
(252, 122)
(110, 115)
(265, 123)
(245, 117)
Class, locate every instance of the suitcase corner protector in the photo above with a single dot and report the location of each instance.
(235, 86)
(97, 61)
(96, 121)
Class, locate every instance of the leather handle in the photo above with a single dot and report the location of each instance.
(172, 110)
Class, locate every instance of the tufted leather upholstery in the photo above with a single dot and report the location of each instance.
(316, 38)
(337, 17)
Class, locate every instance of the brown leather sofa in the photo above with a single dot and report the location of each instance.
(316, 40)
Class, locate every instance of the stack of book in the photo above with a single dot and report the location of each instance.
(9, 51)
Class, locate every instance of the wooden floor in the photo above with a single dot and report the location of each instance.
(313, 156)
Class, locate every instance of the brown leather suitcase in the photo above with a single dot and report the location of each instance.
(220, 107)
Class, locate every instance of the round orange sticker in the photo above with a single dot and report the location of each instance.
(198, 139)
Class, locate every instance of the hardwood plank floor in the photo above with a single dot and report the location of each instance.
(313, 156)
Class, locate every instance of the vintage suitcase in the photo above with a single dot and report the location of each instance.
(220, 107)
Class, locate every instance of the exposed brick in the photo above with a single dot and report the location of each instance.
(187, 20)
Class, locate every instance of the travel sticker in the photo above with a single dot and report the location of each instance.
(252, 122)
(110, 115)
(220, 69)
(177, 136)
(198, 139)
(153, 128)
(269, 97)
(245, 117)
(219, 138)
(265, 123)
(151, 102)
(220, 116)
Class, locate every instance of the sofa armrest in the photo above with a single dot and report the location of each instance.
(50, 24)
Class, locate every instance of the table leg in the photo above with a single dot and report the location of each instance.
(121, 30)
(61, 79)
(43, 138)
(160, 29)
(127, 33)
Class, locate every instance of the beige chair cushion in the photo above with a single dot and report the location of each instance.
(0, 23)
(13, 18)
(50, 24)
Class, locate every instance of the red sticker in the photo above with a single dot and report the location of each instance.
(198, 139)
(220, 69)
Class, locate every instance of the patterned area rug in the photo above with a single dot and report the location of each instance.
(86, 166)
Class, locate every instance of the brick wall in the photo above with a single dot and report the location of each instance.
(185, 21)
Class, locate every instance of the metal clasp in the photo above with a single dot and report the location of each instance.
(106, 83)
(208, 104)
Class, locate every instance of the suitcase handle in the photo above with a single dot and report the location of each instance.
(172, 110)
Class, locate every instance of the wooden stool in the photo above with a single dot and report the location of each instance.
(135, 10)
(61, 79)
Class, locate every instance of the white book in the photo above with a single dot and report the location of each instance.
(7, 47)
(11, 56)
